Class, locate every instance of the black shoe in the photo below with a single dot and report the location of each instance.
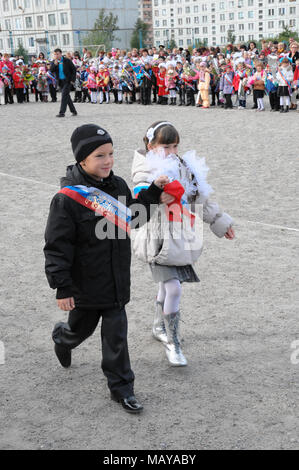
(130, 404)
(281, 109)
(75, 113)
(286, 110)
(60, 115)
(254, 107)
(64, 355)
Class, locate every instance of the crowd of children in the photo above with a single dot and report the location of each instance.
(205, 78)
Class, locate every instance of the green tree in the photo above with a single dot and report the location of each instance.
(286, 34)
(231, 38)
(172, 44)
(103, 31)
(22, 52)
(135, 39)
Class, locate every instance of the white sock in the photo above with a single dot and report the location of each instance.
(119, 96)
(287, 101)
(101, 97)
(107, 96)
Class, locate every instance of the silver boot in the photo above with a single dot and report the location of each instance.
(173, 348)
(159, 330)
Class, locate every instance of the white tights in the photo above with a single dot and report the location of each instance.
(285, 101)
(169, 294)
(93, 96)
(260, 103)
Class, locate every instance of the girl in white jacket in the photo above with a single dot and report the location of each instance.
(172, 241)
(285, 77)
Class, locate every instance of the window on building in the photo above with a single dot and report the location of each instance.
(31, 42)
(63, 18)
(28, 21)
(5, 5)
(18, 23)
(53, 40)
(40, 21)
(52, 20)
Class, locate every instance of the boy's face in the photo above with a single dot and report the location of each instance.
(100, 162)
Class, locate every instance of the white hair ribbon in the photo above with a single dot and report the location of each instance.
(151, 132)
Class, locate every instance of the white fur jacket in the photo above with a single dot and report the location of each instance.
(176, 243)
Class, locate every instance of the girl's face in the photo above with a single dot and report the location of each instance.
(259, 68)
(100, 162)
(168, 149)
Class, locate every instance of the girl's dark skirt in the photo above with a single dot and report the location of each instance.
(283, 91)
(166, 273)
(259, 93)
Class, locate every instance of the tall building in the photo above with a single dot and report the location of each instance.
(190, 22)
(43, 25)
(146, 14)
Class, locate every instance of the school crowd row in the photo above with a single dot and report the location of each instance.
(205, 78)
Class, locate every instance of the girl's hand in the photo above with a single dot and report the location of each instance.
(161, 181)
(166, 198)
(66, 304)
(230, 234)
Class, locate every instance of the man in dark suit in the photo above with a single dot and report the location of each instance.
(65, 72)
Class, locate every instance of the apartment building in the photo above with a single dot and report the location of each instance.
(146, 14)
(43, 25)
(189, 22)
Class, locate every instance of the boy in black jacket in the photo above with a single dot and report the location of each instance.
(91, 272)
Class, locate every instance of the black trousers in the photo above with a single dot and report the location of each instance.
(66, 100)
(215, 94)
(78, 95)
(190, 96)
(8, 95)
(115, 355)
(274, 100)
(86, 95)
(38, 95)
(182, 95)
(53, 93)
(20, 95)
(26, 95)
(146, 95)
(228, 101)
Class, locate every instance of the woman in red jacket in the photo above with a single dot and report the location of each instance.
(18, 80)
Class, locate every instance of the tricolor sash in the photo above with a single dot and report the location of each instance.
(101, 203)
(286, 81)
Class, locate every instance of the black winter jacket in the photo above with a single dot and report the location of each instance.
(69, 70)
(95, 272)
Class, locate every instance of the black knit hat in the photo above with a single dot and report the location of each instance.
(85, 139)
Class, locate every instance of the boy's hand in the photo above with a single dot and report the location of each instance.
(66, 304)
(161, 181)
(230, 234)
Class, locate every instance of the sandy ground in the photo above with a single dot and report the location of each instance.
(240, 389)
